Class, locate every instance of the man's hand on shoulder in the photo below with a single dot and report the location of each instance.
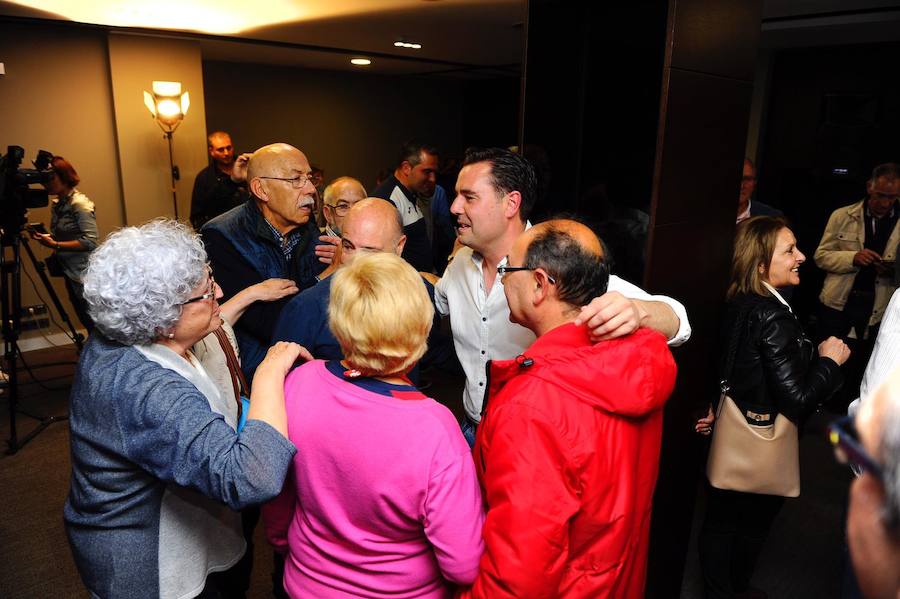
(612, 315)
(327, 250)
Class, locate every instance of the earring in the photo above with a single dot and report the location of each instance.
(171, 335)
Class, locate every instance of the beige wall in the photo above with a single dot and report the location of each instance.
(78, 93)
(347, 123)
(55, 96)
(135, 62)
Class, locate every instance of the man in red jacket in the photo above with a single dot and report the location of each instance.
(568, 449)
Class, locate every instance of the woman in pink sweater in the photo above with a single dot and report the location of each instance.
(382, 498)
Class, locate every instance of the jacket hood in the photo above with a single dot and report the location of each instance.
(631, 376)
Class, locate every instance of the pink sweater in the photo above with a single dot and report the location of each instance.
(382, 497)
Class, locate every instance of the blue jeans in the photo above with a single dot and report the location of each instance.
(468, 430)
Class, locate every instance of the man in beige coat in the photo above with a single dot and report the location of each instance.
(858, 252)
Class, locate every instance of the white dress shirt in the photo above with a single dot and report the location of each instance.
(886, 354)
(481, 327)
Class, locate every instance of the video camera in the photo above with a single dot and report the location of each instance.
(16, 197)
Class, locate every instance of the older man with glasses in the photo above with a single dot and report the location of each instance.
(871, 442)
(340, 195)
(271, 235)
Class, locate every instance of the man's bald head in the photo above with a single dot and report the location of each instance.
(372, 225)
(275, 160)
(273, 174)
(571, 254)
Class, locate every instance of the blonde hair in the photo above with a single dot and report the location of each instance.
(380, 313)
(754, 246)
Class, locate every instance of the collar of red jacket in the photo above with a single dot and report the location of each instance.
(630, 376)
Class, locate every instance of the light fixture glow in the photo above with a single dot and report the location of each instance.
(167, 104)
(167, 88)
(150, 103)
(210, 16)
(412, 45)
(360, 62)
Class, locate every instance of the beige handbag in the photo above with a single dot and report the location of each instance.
(763, 457)
(751, 458)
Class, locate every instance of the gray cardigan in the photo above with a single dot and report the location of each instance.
(152, 466)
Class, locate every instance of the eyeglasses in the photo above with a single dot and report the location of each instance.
(502, 270)
(340, 208)
(296, 182)
(847, 448)
(209, 294)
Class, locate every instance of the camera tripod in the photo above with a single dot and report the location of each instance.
(11, 308)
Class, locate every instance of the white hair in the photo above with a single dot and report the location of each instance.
(137, 279)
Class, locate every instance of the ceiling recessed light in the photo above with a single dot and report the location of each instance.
(404, 44)
(360, 62)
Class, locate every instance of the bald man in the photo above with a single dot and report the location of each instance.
(270, 235)
(371, 225)
(340, 195)
(567, 451)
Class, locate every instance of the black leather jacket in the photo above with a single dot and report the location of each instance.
(776, 367)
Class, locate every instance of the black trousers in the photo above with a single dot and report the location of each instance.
(734, 531)
(76, 296)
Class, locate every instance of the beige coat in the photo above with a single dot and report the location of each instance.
(845, 236)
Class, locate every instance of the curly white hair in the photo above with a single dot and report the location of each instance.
(137, 279)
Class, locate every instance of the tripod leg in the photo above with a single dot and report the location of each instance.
(41, 270)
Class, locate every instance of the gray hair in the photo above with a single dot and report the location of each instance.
(890, 451)
(137, 279)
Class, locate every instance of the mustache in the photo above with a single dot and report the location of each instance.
(307, 201)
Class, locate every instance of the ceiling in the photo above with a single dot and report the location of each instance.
(460, 38)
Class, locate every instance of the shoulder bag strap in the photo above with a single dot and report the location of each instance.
(731, 353)
(237, 375)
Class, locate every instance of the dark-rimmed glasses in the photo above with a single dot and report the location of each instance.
(847, 448)
(502, 270)
(296, 182)
(340, 208)
(205, 296)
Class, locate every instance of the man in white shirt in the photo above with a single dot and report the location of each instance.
(495, 192)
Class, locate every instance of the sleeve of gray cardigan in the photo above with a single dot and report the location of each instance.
(169, 430)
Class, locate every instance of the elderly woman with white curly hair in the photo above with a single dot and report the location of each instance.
(158, 469)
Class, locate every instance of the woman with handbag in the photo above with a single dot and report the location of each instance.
(73, 233)
(772, 380)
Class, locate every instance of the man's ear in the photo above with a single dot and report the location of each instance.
(513, 201)
(257, 188)
(400, 244)
(406, 168)
(870, 184)
(541, 291)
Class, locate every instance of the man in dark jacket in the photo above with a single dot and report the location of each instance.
(567, 452)
(269, 235)
(214, 190)
(747, 208)
(414, 177)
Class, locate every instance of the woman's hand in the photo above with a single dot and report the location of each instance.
(274, 289)
(267, 389)
(44, 239)
(835, 349)
(280, 359)
(704, 425)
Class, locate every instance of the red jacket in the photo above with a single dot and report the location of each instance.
(567, 454)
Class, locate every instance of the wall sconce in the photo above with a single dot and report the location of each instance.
(168, 105)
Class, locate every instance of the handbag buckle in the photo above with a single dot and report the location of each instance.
(758, 417)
